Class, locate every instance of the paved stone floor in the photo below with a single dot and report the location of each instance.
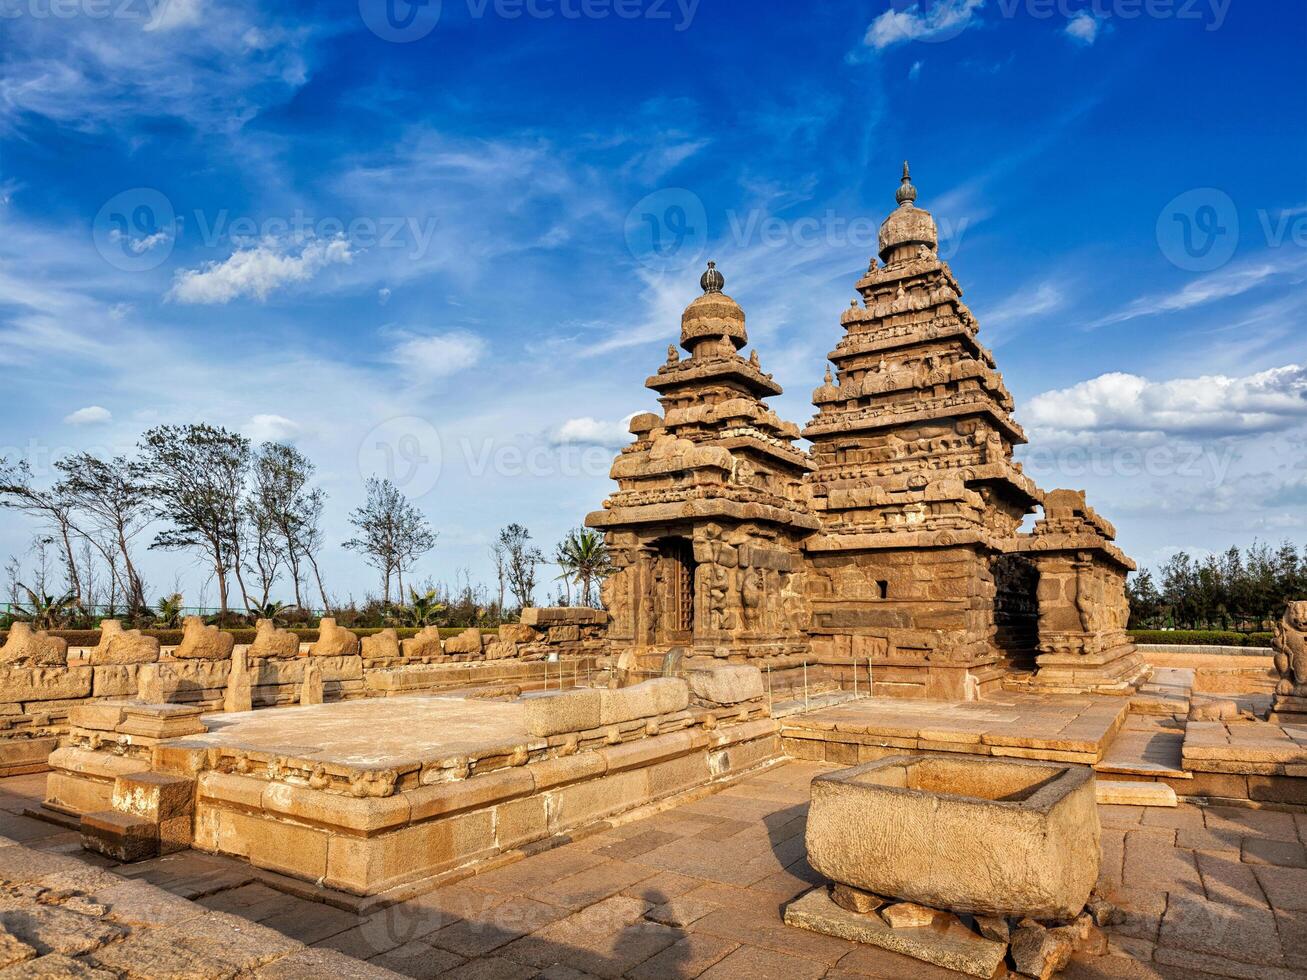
(693, 891)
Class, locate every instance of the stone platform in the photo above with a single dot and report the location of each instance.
(1019, 726)
(381, 797)
(395, 733)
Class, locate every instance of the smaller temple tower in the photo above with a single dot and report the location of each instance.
(1083, 610)
(705, 524)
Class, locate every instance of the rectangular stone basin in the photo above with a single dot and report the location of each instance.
(976, 835)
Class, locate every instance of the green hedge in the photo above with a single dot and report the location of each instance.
(1218, 638)
(168, 638)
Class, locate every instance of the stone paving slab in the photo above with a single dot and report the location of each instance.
(697, 890)
(374, 732)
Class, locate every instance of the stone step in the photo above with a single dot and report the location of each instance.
(1126, 792)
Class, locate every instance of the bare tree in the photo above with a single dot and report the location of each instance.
(18, 493)
(195, 476)
(500, 558)
(113, 497)
(392, 532)
(522, 560)
(284, 499)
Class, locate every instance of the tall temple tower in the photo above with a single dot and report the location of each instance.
(705, 524)
(895, 545)
(915, 484)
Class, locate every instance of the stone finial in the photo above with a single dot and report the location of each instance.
(829, 379)
(753, 358)
(712, 281)
(672, 356)
(906, 193)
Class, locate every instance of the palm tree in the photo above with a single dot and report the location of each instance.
(269, 610)
(48, 612)
(168, 611)
(583, 557)
(422, 610)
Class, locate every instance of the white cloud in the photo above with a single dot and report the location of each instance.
(90, 415)
(171, 14)
(1083, 28)
(915, 71)
(271, 428)
(925, 21)
(257, 272)
(139, 246)
(1129, 405)
(383, 295)
(437, 355)
(589, 431)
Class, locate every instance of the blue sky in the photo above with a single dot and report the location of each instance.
(449, 242)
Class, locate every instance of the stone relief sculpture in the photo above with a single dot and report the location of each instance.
(1290, 645)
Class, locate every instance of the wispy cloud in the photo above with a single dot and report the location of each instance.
(1233, 280)
(436, 355)
(1001, 322)
(928, 20)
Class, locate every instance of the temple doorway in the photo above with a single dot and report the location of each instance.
(674, 603)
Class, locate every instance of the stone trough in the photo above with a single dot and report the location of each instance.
(911, 843)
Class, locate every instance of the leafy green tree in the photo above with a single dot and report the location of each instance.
(391, 533)
(195, 477)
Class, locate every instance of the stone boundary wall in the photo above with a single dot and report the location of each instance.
(1219, 669)
(41, 682)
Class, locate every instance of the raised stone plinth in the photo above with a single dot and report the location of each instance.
(979, 836)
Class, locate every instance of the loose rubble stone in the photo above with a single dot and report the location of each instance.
(948, 943)
(467, 642)
(855, 899)
(908, 915)
(994, 927)
(1039, 952)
